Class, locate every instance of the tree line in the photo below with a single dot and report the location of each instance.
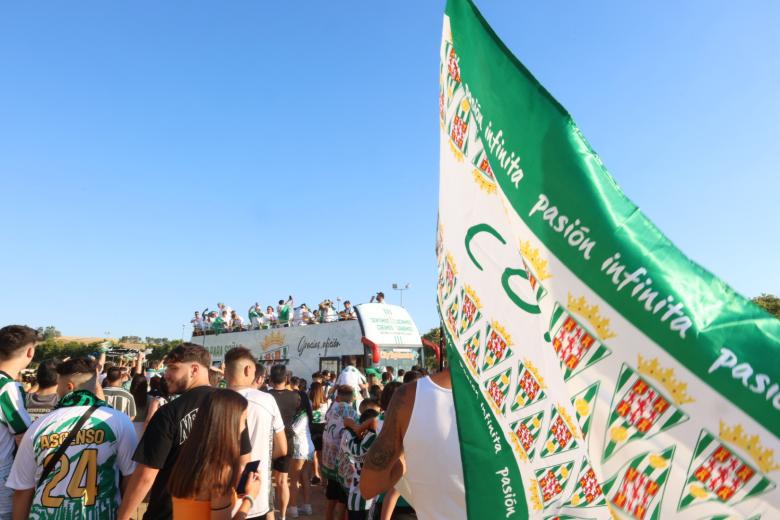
(52, 348)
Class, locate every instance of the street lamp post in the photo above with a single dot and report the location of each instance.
(400, 289)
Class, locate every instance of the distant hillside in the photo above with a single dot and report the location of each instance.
(81, 339)
(85, 340)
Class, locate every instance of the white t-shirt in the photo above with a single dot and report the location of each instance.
(263, 420)
(351, 376)
(101, 451)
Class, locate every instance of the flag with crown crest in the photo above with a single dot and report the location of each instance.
(597, 372)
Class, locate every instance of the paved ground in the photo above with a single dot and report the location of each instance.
(317, 504)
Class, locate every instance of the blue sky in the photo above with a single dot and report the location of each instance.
(159, 157)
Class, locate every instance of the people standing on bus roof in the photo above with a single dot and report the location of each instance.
(236, 322)
(224, 308)
(197, 324)
(284, 310)
(255, 317)
(270, 317)
(349, 311)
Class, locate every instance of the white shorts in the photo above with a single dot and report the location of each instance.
(303, 448)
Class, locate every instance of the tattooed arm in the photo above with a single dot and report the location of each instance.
(383, 464)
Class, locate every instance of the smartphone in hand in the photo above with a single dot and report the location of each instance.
(251, 467)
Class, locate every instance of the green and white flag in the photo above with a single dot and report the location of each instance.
(597, 371)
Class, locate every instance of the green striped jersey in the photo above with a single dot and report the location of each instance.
(318, 415)
(354, 450)
(13, 415)
(84, 484)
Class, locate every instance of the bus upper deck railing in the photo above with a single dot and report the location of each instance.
(196, 331)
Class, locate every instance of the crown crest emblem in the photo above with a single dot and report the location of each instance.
(665, 376)
(474, 298)
(534, 372)
(482, 182)
(518, 449)
(501, 331)
(591, 314)
(451, 263)
(531, 255)
(763, 457)
(274, 338)
(567, 419)
(456, 152)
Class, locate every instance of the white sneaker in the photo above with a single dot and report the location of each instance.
(292, 512)
(306, 510)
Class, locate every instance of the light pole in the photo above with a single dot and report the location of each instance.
(400, 289)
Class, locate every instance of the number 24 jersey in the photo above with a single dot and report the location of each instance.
(84, 484)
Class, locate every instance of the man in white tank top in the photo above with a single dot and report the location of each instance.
(419, 442)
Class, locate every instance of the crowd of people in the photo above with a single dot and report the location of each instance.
(285, 314)
(97, 440)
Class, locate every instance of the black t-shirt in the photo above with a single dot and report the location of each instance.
(162, 440)
(289, 403)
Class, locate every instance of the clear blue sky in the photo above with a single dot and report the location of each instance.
(158, 157)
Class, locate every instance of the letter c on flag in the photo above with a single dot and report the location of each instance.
(531, 308)
(473, 231)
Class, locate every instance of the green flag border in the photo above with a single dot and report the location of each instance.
(721, 318)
